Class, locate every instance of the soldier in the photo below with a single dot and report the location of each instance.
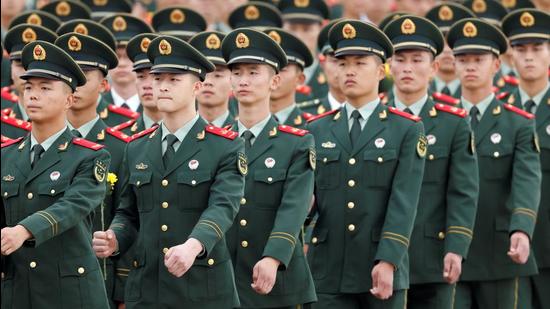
(16, 123)
(51, 182)
(67, 10)
(39, 18)
(180, 22)
(266, 250)
(213, 97)
(527, 31)
(182, 185)
(122, 103)
(370, 163)
(509, 176)
(282, 102)
(443, 228)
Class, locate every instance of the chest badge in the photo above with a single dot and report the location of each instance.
(331, 145)
(193, 164)
(141, 166)
(431, 139)
(55, 175)
(380, 143)
(269, 162)
(496, 138)
(8, 178)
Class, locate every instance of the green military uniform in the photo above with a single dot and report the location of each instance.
(57, 268)
(448, 199)
(180, 22)
(279, 186)
(509, 175)
(366, 192)
(67, 10)
(14, 124)
(195, 195)
(524, 27)
(36, 17)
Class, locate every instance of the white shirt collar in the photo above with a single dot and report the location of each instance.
(334, 104)
(453, 85)
(537, 98)
(481, 106)
(147, 121)
(85, 128)
(416, 107)
(133, 102)
(49, 141)
(283, 114)
(256, 129)
(218, 122)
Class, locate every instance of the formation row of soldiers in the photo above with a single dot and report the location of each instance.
(427, 195)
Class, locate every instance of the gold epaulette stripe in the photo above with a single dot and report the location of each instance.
(534, 213)
(215, 224)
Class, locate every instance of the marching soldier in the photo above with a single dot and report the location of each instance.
(370, 163)
(527, 31)
(507, 147)
(282, 102)
(266, 250)
(182, 185)
(443, 228)
(213, 98)
(51, 182)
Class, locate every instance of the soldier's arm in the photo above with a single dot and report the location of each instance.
(298, 190)
(403, 201)
(526, 181)
(83, 195)
(462, 191)
(223, 202)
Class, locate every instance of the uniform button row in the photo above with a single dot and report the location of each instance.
(164, 182)
(243, 201)
(30, 195)
(244, 243)
(351, 227)
(164, 227)
(351, 183)
(164, 205)
(243, 222)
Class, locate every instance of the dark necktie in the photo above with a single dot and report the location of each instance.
(76, 133)
(125, 105)
(38, 150)
(473, 117)
(355, 127)
(446, 90)
(408, 110)
(276, 118)
(528, 106)
(170, 153)
(247, 135)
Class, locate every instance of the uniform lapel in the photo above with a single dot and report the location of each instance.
(96, 132)
(154, 150)
(24, 163)
(373, 126)
(489, 120)
(51, 156)
(340, 129)
(426, 113)
(293, 116)
(543, 111)
(263, 141)
(188, 146)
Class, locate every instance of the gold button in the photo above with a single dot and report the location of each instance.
(138, 183)
(81, 270)
(380, 159)
(325, 160)
(431, 157)
(5, 193)
(193, 182)
(164, 182)
(164, 204)
(244, 243)
(210, 262)
(496, 154)
(243, 222)
(441, 235)
(270, 179)
(164, 250)
(314, 240)
(52, 191)
(351, 161)
(135, 263)
(32, 264)
(243, 201)
(351, 227)
(30, 195)
(164, 227)
(3, 275)
(351, 205)
(351, 183)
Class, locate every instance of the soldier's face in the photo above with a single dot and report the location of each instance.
(412, 70)
(532, 60)
(252, 83)
(175, 92)
(16, 71)
(446, 60)
(330, 67)
(291, 76)
(123, 74)
(308, 33)
(46, 100)
(216, 87)
(87, 96)
(476, 70)
(144, 84)
(359, 75)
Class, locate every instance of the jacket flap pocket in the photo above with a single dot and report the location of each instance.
(380, 155)
(319, 236)
(270, 175)
(328, 155)
(53, 188)
(193, 178)
(438, 152)
(139, 179)
(78, 266)
(9, 189)
(498, 150)
(434, 230)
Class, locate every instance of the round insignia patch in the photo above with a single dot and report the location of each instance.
(527, 20)
(312, 158)
(177, 16)
(213, 41)
(100, 171)
(269, 162)
(496, 138)
(242, 166)
(469, 30)
(445, 13)
(408, 27)
(431, 139)
(348, 32)
(28, 35)
(422, 146)
(379, 143)
(193, 164)
(34, 19)
(251, 12)
(242, 41)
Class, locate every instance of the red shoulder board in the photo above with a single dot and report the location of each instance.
(303, 89)
(222, 132)
(441, 97)
(4, 139)
(121, 136)
(18, 123)
(144, 132)
(87, 144)
(10, 142)
(460, 112)
(511, 80)
(7, 95)
(307, 116)
(124, 125)
(323, 115)
(6, 111)
(502, 95)
(123, 111)
(292, 130)
(518, 111)
(394, 110)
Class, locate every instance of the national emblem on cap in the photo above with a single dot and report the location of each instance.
(301, 3)
(445, 13)
(165, 48)
(275, 36)
(63, 8)
(479, 6)
(144, 45)
(213, 42)
(81, 28)
(242, 41)
(526, 19)
(39, 53)
(34, 19)
(469, 30)
(74, 44)
(251, 12)
(348, 32)
(177, 16)
(28, 35)
(119, 24)
(408, 27)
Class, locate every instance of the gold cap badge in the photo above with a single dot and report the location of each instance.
(445, 13)
(100, 2)
(165, 48)
(177, 16)
(251, 12)
(242, 41)
(28, 35)
(144, 45)
(509, 3)
(213, 42)
(63, 9)
(275, 36)
(81, 28)
(408, 27)
(119, 24)
(469, 30)
(479, 6)
(74, 44)
(34, 19)
(348, 31)
(301, 3)
(527, 20)
(39, 53)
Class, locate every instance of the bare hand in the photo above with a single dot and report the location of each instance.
(104, 243)
(382, 280)
(179, 259)
(452, 267)
(13, 238)
(264, 275)
(519, 247)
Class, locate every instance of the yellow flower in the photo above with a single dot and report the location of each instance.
(112, 179)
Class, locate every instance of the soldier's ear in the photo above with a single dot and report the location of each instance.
(435, 66)
(275, 82)
(496, 64)
(196, 87)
